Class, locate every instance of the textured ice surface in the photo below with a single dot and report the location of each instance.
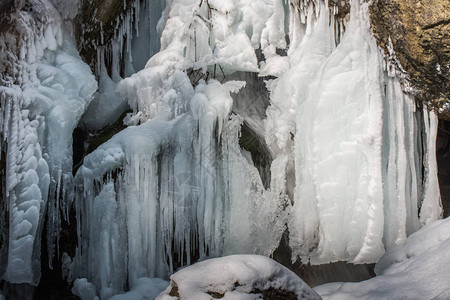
(40, 109)
(415, 269)
(235, 277)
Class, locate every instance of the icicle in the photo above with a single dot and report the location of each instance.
(431, 208)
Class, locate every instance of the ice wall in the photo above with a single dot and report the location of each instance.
(42, 99)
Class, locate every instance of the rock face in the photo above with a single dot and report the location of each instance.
(420, 35)
(97, 23)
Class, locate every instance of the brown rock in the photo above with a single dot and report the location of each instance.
(420, 34)
(98, 18)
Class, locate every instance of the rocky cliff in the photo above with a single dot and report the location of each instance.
(420, 36)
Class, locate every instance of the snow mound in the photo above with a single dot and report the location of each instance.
(236, 277)
(146, 288)
(416, 269)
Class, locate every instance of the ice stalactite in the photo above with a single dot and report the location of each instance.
(41, 100)
(184, 189)
(135, 38)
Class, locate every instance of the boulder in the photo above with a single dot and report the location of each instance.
(237, 277)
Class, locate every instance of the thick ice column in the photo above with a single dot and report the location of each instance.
(431, 208)
(69, 84)
(358, 150)
(338, 208)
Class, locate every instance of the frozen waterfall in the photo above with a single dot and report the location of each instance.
(349, 166)
(176, 186)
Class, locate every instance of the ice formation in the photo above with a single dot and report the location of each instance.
(351, 168)
(176, 186)
(39, 110)
(411, 270)
(235, 277)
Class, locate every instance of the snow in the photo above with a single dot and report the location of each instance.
(415, 269)
(235, 277)
(146, 288)
(84, 289)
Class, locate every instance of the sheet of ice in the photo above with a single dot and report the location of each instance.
(177, 183)
(182, 171)
(414, 269)
(375, 129)
(235, 277)
(106, 106)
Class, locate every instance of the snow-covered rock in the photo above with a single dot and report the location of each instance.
(237, 277)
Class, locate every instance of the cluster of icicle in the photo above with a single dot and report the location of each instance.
(134, 30)
(178, 187)
(42, 99)
(134, 40)
(45, 90)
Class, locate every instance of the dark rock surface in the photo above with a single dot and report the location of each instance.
(443, 161)
(96, 25)
(315, 275)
